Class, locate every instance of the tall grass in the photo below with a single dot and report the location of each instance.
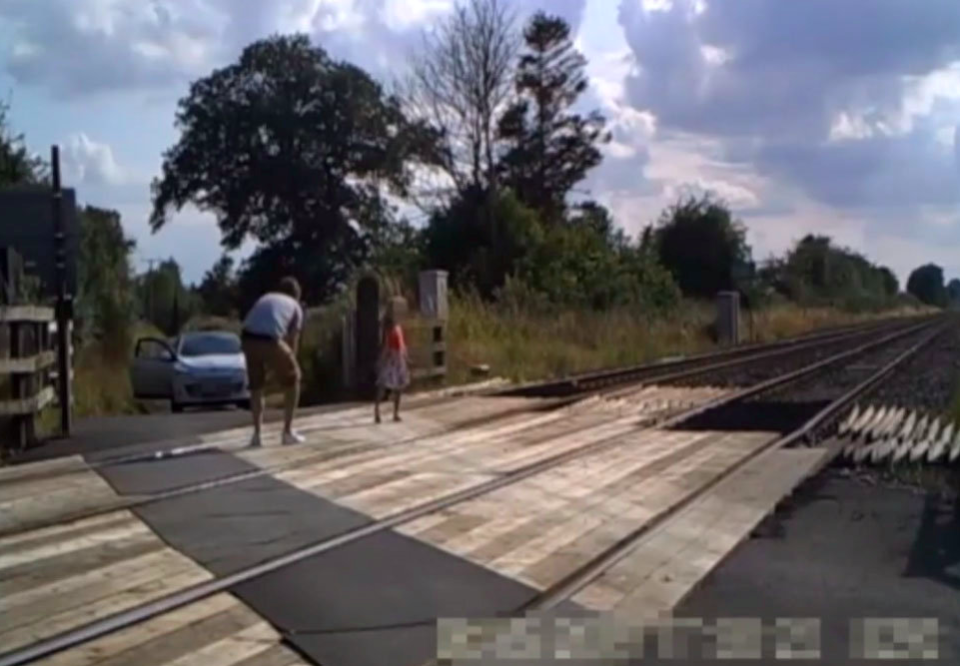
(524, 345)
(788, 320)
(102, 374)
(518, 343)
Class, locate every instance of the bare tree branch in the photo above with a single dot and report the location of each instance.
(461, 81)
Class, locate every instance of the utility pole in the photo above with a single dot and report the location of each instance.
(64, 301)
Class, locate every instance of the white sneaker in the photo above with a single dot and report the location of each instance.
(293, 438)
(255, 442)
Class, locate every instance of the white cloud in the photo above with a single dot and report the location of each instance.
(404, 14)
(90, 162)
(812, 115)
(81, 47)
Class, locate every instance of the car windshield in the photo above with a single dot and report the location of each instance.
(209, 344)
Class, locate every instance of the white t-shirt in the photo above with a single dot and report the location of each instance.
(274, 315)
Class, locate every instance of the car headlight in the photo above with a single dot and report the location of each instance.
(182, 369)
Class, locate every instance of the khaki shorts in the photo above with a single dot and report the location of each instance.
(273, 354)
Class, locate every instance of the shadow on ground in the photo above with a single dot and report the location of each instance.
(936, 550)
(753, 416)
(853, 558)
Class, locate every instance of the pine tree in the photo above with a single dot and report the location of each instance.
(551, 149)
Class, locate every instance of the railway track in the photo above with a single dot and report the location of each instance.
(548, 397)
(584, 440)
(684, 367)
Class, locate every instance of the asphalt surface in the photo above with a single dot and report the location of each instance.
(844, 554)
(102, 437)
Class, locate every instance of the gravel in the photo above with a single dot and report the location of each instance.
(929, 381)
(755, 373)
(786, 409)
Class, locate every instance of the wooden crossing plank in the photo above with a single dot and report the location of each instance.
(425, 442)
(31, 546)
(560, 557)
(219, 631)
(542, 528)
(31, 471)
(33, 606)
(60, 577)
(329, 483)
(443, 453)
(85, 491)
(75, 482)
(426, 446)
(238, 438)
(672, 559)
(410, 491)
(537, 529)
(428, 450)
(33, 538)
(42, 494)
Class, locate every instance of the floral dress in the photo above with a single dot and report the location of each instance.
(394, 374)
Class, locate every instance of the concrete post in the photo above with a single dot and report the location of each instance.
(728, 318)
(433, 295)
(433, 307)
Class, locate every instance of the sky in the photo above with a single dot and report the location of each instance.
(837, 117)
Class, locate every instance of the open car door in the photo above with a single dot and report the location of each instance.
(151, 373)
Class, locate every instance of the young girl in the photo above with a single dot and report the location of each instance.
(393, 375)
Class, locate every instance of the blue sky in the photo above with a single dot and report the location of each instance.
(816, 116)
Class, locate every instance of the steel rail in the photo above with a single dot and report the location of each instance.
(576, 383)
(547, 405)
(579, 579)
(741, 355)
(200, 591)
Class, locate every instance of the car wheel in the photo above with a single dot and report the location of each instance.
(244, 404)
(176, 407)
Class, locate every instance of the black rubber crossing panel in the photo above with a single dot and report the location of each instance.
(164, 474)
(232, 527)
(374, 601)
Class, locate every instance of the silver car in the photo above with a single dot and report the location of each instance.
(195, 369)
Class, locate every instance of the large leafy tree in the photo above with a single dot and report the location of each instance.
(701, 244)
(891, 286)
(953, 292)
(815, 271)
(459, 239)
(926, 283)
(293, 149)
(587, 265)
(551, 148)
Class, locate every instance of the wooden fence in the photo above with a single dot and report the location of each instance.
(25, 385)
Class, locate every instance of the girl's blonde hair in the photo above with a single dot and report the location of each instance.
(396, 307)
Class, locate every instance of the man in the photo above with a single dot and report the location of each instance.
(271, 334)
